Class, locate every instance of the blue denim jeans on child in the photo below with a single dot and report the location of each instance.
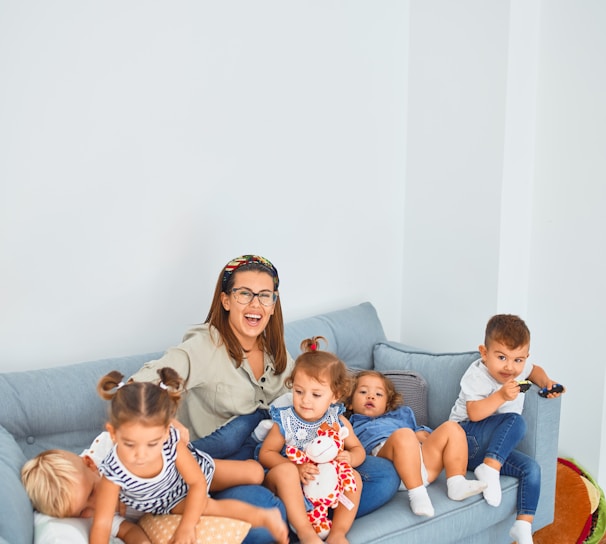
(496, 438)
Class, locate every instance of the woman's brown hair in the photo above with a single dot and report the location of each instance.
(271, 340)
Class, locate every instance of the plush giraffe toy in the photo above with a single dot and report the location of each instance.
(334, 479)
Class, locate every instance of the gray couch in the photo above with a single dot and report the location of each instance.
(58, 408)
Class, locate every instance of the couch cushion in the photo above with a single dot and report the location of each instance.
(16, 515)
(351, 333)
(454, 522)
(441, 393)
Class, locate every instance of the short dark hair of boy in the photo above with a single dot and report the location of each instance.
(507, 329)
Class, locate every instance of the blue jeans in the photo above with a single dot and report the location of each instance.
(380, 481)
(234, 440)
(496, 438)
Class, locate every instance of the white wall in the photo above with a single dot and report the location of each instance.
(145, 144)
(443, 178)
(505, 190)
(456, 130)
(569, 229)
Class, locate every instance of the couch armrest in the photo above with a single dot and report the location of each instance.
(16, 514)
(541, 442)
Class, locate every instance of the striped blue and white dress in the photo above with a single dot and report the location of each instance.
(160, 494)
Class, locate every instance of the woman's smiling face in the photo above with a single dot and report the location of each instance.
(248, 321)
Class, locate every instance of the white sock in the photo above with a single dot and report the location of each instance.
(420, 503)
(521, 532)
(490, 476)
(460, 488)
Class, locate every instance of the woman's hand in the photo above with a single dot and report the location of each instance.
(183, 430)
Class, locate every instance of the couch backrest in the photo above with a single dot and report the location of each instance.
(37, 407)
(351, 334)
(442, 371)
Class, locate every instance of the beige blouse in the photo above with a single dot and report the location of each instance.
(217, 391)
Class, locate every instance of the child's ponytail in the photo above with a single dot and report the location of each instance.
(147, 402)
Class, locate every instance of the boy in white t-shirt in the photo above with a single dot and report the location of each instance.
(489, 408)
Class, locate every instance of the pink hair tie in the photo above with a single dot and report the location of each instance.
(313, 347)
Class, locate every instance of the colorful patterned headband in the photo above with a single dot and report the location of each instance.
(238, 262)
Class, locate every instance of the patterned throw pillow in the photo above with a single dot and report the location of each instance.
(209, 530)
(413, 388)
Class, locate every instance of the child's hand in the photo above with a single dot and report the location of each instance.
(307, 472)
(554, 395)
(344, 457)
(183, 536)
(510, 390)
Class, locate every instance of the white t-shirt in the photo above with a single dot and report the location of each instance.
(477, 384)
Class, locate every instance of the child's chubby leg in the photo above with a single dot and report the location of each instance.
(446, 448)
(229, 473)
(131, 533)
(284, 480)
(403, 450)
(269, 518)
(521, 531)
(343, 518)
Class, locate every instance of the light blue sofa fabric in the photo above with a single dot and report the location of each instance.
(58, 408)
(351, 333)
(16, 515)
(433, 367)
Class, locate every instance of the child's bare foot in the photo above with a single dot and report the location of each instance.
(272, 520)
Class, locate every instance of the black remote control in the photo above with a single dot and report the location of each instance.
(557, 388)
(524, 385)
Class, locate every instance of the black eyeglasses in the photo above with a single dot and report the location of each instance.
(245, 296)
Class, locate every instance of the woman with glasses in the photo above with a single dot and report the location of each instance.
(235, 364)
